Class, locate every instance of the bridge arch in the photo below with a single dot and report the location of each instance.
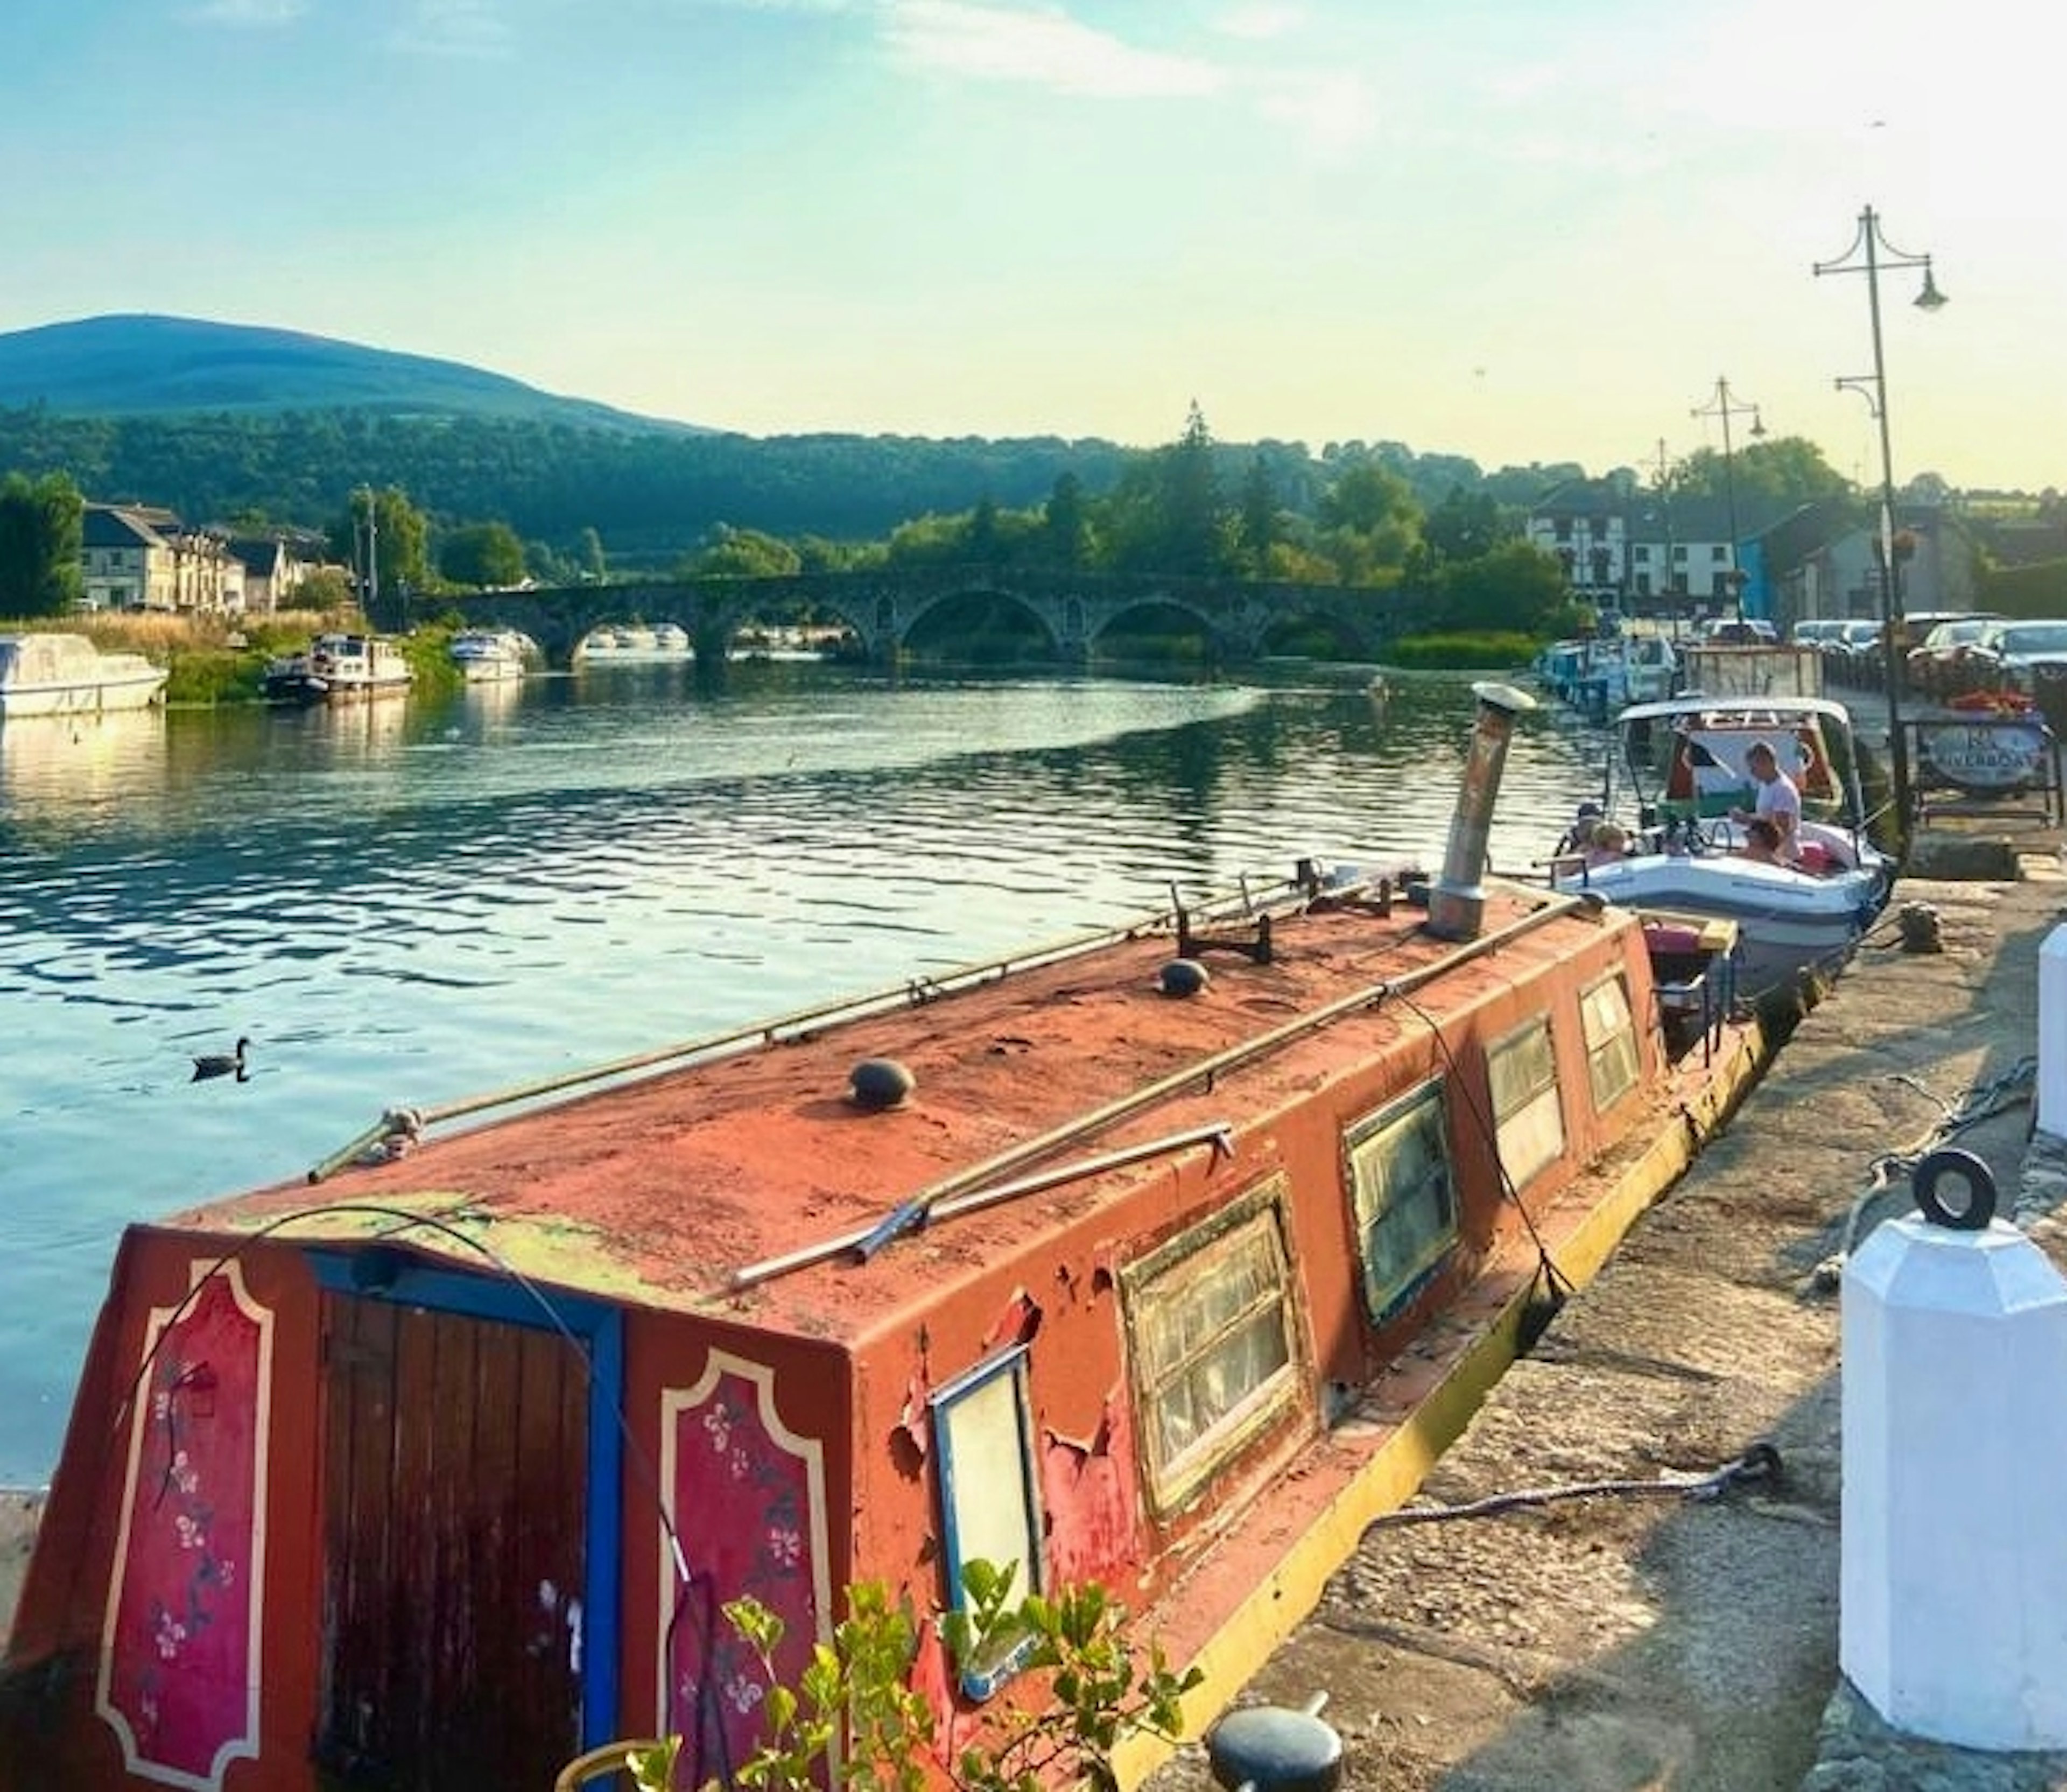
(1237, 621)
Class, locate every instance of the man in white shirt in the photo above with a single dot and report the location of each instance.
(1779, 801)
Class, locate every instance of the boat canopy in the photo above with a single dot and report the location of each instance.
(1686, 756)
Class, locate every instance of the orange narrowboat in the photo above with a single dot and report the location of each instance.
(1166, 1259)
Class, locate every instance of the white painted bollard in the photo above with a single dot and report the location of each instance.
(2053, 1033)
(1952, 1615)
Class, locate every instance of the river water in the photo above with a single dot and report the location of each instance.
(416, 902)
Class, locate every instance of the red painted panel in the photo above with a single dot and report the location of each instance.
(747, 1499)
(180, 1666)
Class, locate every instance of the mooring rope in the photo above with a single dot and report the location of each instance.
(1760, 1462)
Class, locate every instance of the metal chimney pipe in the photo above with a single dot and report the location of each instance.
(1456, 900)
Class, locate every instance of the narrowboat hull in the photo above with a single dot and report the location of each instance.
(440, 1472)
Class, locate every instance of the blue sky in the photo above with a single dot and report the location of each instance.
(1515, 229)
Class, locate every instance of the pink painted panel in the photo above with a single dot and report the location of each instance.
(746, 1506)
(179, 1670)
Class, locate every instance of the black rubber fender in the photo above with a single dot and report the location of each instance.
(1949, 1161)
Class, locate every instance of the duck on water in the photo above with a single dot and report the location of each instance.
(442, 1473)
(220, 1063)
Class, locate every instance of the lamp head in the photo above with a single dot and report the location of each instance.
(1931, 298)
(1757, 422)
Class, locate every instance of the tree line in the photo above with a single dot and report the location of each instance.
(477, 503)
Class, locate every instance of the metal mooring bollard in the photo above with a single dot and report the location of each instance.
(1271, 1748)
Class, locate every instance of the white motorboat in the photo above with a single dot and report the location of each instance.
(339, 669)
(67, 675)
(492, 655)
(1682, 762)
(635, 644)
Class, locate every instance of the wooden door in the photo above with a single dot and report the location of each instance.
(454, 1491)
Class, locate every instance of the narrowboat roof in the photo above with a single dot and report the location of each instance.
(657, 1192)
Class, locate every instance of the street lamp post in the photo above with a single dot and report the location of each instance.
(1722, 406)
(1869, 253)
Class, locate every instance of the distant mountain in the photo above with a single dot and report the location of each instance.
(147, 366)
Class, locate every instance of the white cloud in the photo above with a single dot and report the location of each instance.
(470, 28)
(1042, 47)
(247, 12)
(1331, 112)
(1257, 21)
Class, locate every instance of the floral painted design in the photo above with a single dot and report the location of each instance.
(179, 1669)
(742, 1496)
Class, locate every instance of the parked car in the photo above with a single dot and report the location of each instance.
(1816, 632)
(1917, 624)
(1738, 631)
(2030, 657)
(1938, 664)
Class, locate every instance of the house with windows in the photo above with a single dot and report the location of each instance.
(273, 567)
(142, 557)
(1635, 549)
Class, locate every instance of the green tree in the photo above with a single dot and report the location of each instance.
(980, 537)
(1516, 587)
(394, 549)
(326, 588)
(1789, 470)
(40, 545)
(1193, 537)
(588, 556)
(1262, 522)
(1463, 527)
(1164, 515)
(484, 554)
(1065, 524)
(744, 554)
(1368, 498)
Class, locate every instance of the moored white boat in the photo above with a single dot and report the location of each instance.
(492, 655)
(67, 675)
(1682, 762)
(339, 669)
(635, 644)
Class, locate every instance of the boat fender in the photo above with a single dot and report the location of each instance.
(1183, 976)
(1271, 1748)
(875, 1083)
(1969, 1213)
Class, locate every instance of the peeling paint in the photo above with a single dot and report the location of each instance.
(914, 1419)
(1091, 1494)
(1016, 1323)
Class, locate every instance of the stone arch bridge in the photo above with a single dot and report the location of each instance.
(884, 610)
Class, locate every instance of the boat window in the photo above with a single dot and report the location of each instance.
(1210, 1324)
(1530, 1122)
(983, 1430)
(1611, 1059)
(1403, 1195)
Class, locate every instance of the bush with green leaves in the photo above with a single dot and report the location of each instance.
(1082, 1687)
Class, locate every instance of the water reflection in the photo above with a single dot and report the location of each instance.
(63, 773)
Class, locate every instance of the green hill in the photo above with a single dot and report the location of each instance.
(149, 366)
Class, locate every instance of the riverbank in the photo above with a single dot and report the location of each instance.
(1602, 1643)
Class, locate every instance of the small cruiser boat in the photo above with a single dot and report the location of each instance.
(493, 656)
(635, 644)
(339, 669)
(1684, 761)
(1166, 1257)
(67, 675)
